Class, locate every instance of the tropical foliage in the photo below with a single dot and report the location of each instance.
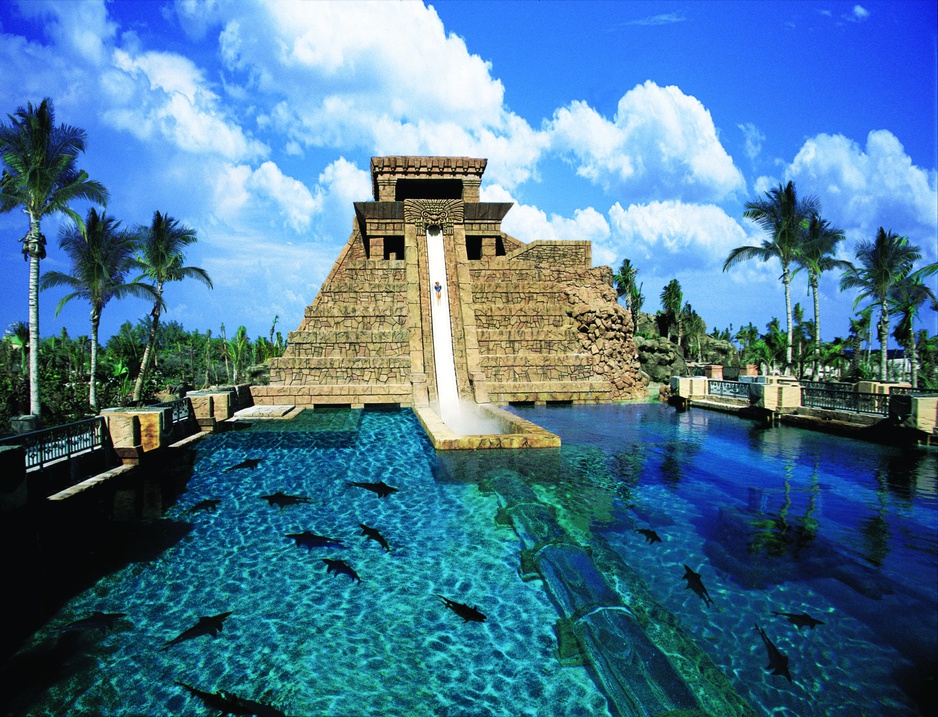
(782, 215)
(162, 257)
(882, 264)
(102, 256)
(181, 359)
(41, 176)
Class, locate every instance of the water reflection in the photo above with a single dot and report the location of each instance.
(875, 528)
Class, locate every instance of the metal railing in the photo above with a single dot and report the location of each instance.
(835, 400)
(50, 445)
(730, 389)
(182, 409)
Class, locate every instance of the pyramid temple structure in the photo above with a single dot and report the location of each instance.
(429, 295)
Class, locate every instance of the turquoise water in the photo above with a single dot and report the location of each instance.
(780, 520)
(307, 641)
(777, 519)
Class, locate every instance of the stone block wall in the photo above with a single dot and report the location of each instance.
(530, 322)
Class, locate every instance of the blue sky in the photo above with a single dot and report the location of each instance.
(643, 127)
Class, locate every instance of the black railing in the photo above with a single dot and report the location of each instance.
(854, 401)
(837, 386)
(51, 445)
(731, 389)
(182, 409)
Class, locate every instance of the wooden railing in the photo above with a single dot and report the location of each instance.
(51, 445)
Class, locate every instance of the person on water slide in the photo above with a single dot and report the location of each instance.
(439, 291)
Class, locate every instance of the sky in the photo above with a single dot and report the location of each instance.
(643, 127)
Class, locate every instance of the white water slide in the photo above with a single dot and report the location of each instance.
(442, 329)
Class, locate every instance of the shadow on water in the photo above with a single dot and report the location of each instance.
(58, 553)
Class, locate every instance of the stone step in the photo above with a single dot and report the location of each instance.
(349, 350)
(354, 323)
(512, 273)
(364, 287)
(364, 309)
(520, 320)
(356, 337)
(593, 391)
(325, 371)
(372, 275)
(513, 291)
(548, 333)
(357, 362)
(377, 297)
(513, 346)
(567, 359)
(349, 393)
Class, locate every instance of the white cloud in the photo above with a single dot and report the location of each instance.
(860, 12)
(344, 183)
(265, 192)
(81, 29)
(169, 98)
(325, 75)
(528, 223)
(863, 188)
(671, 236)
(662, 19)
(754, 139)
(662, 143)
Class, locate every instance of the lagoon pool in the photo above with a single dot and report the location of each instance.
(773, 519)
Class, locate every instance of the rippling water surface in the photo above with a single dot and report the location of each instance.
(781, 520)
(774, 520)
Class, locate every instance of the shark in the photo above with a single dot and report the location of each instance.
(467, 613)
(282, 500)
(382, 489)
(340, 567)
(650, 535)
(696, 584)
(309, 540)
(778, 663)
(799, 621)
(101, 621)
(251, 463)
(205, 626)
(373, 534)
(230, 704)
(207, 504)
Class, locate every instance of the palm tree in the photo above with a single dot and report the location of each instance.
(162, 257)
(907, 298)
(102, 256)
(782, 215)
(41, 176)
(695, 327)
(816, 255)
(884, 262)
(625, 285)
(672, 300)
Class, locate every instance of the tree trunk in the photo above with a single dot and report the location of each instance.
(93, 389)
(883, 338)
(148, 351)
(913, 358)
(786, 280)
(817, 329)
(34, 248)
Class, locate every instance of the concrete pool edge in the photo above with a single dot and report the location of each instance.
(519, 433)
